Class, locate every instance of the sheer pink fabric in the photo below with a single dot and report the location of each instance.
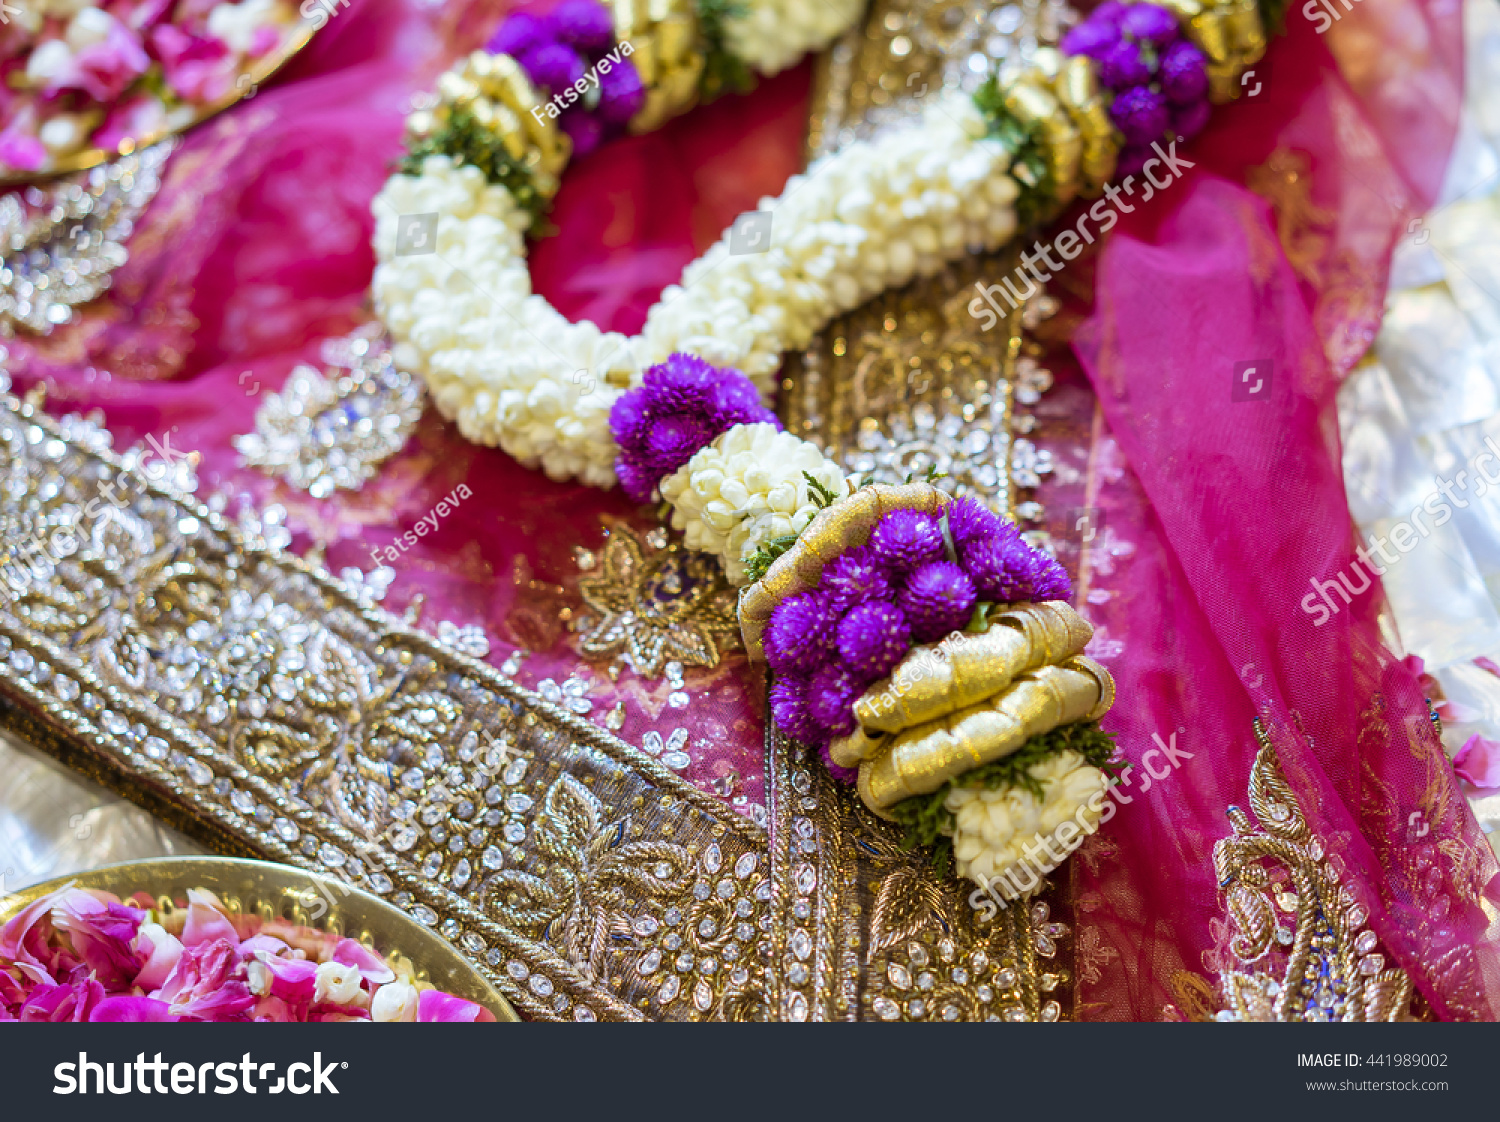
(1234, 506)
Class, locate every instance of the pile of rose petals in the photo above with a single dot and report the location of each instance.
(75, 74)
(81, 955)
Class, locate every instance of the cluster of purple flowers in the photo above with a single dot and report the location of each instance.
(681, 406)
(558, 51)
(1159, 78)
(903, 586)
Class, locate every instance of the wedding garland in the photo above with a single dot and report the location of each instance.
(921, 645)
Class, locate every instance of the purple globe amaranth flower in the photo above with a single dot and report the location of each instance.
(904, 539)
(1123, 66)
(872, 638)
(799, 637)
(553, 66)
(1008, 571)
(1183, 73)
(621, 93)
(856, 577)
(830, 699)
(1110, 12)
(788, 697)
(679, 408)
(1190, 120)
(938, 598)
(848, 776)
(1051, 581)
(1140, 113)
(1091, 37)
(585, 24)
(586, 132)
(518, 34)
(1149, 23)
(676, 437)
(969, 520)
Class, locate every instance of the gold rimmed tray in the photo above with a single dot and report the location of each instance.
(281, 891)
(85, 158)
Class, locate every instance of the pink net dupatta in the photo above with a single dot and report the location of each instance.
(1240, 507)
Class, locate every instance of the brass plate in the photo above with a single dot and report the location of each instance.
(270, 890)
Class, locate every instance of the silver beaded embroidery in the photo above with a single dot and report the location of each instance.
(62, 242)
(326, 432)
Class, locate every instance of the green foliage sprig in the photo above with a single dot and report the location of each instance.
(461, 137)
(722, 72)
(926, 821)
(1028, 165)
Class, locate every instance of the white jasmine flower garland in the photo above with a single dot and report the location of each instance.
(510, 370)
(773, 34)
(1001, 837)
(746, 488)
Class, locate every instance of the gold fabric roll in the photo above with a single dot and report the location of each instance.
(932, 681)
(921, 759)
(667, 49)
(838, 528)
(848, 751)
(501, 98)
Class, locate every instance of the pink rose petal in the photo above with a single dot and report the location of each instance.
(23, 939)
(1478, 761)
(371, 966)
(268, 943)
(206, 920)
(272, 1009)
(207, 984)
(293, 980)
(124, 1007)
(22, 152)
(71, 1002)
(102, 932)
(434, 1006)
(1456, 713)
(162, 950)
(1488, 664)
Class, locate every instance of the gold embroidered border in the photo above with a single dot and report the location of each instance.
(277, 711)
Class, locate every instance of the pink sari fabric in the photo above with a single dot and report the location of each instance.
(1234, 506)
(258, 248)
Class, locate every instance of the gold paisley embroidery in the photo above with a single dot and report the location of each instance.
(1293, 918)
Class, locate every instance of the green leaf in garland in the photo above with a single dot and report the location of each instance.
(462, 138)
(722, 71)
(926, 821)
(1028, 165)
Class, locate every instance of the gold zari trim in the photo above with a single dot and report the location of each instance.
(277, 712)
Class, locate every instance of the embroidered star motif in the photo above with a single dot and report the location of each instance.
(668, 605)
